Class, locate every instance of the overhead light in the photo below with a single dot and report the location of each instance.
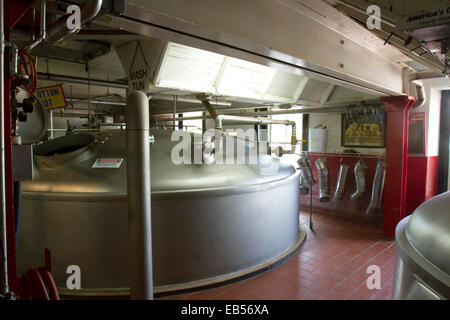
(190, 69)
(241, 78)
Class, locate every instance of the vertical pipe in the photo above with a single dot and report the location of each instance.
(43, 31)
(139, 192)
(89, 95)
(180, 122)
(51, 125)
(33, 30)
(2, 155)
(175, 98)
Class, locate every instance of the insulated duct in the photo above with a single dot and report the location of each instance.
(376, 199)
(324, 189)
(304, 188)
(360, 177)
(43, 31)
(420, 91)
(305, 168)
(341, 182)
(88, 11)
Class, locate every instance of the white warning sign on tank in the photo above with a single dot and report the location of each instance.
(107, 163)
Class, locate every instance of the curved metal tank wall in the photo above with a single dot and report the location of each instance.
(422, 267)
(209, 222)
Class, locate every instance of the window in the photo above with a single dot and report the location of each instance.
(194, 126)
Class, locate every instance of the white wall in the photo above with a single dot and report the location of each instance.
(432, 108)
(333, 123)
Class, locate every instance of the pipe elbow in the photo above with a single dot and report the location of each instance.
(219, 120)
(421, 96)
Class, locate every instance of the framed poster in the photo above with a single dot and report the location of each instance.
(363, 131)
(416, 134)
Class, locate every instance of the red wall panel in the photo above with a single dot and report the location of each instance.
(416, 183)
(422, 181)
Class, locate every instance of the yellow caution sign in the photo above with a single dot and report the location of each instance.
(52, 97)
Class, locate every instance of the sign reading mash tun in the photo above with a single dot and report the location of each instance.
(139, 72)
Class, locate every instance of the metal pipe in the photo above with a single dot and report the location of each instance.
(51, 124)
(249, 120)
(206, 102)
(337, 106)
(89, 97)
(43, 33)
(421, 97)
(14, 59)
(139, 192)
(360, 176)
(341, 182)
(305, 167)
(221, 118)
(94, 82)
(283, 112)
(377, 188)
(2, 155)
(88, 11)
(189, 100)
(93, 101)
(324, 188)
(420, 91)
(175, 98)
(33, 23)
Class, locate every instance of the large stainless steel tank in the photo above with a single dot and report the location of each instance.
(210, 223)
(422, 268)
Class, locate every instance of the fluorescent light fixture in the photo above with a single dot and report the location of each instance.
(194, 70)
(284, 87)
(241, 78)
(189, 69)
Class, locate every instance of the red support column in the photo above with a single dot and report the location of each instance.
(396, 160)
(14, 11)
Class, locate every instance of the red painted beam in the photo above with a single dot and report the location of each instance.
(396, 160)
(9, 187)
(14, 11)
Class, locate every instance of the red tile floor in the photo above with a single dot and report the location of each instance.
(331, 264)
